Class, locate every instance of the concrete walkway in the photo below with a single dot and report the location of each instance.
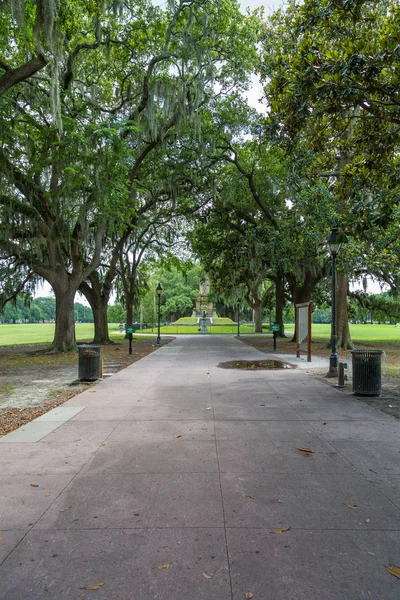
(168, 482)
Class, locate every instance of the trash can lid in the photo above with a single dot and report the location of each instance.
(89, 345)
(366, 351)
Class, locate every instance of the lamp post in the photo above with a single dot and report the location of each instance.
(159, 291)
(334, 243)
(237, 306)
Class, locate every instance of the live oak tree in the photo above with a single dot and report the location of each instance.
(331, 73)
(331, 70)
(76, 138)
(254, 190)
(31, 24)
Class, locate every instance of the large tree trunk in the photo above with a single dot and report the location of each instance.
(279, 305)
(98, 299)
(64, 335)
(342, 322)
(128, 273)
(99, 309)
(129, 309)
(257, 306)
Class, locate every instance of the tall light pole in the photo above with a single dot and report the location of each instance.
(159, 291)
(237, 306)
(334, 243)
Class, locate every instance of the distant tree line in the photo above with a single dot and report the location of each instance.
(40, 310)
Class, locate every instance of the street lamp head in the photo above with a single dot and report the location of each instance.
(159, 290)
(334, 240)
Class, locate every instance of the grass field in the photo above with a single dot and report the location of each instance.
(223, 321)
(37, 333)
(186, 321)
(173, 330)
(372, 333)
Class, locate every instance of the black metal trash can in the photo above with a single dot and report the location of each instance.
(89, 362)
(367, 379)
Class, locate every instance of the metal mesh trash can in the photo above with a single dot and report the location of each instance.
(367, 379)
(89, 362)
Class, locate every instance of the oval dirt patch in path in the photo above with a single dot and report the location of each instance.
(255, 365)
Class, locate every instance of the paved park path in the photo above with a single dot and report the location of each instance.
(168, 480)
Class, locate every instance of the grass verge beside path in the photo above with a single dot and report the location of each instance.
(22, 365)
(36, 333)
(43, 333)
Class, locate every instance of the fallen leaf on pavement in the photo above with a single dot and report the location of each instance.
(1, 539)
(33, 485)
(352, 505)
(332, 453)
(64, 509)
(83, 565)
(210, 576)
(281, 529)
(279, 500)
(371, 553)
(177, 436)
(367, 520)
(262, 404)
(94, 586)
(164, 566)
(248, 595)
(91, 392)
(48, 494)
(45, 589)
(369, 593)
(394, 571)
(250, 496)
(209, 408)
(104, 444)
(306, 450)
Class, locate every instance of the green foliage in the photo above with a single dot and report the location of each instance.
(116, 313)
(180, 281)
(40, 309)
(119, 87)
(331, 72)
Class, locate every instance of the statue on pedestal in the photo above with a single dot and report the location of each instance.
(203, 306)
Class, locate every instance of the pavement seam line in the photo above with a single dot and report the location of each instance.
(345, 458)
(220, 484)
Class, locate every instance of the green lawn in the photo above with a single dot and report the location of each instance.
(173, 330)
(222, 321)
(362, 333)
(37, 333)
(186, 321)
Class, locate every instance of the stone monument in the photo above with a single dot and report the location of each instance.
(203, 305)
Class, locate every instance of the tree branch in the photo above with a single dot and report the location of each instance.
(13, 76)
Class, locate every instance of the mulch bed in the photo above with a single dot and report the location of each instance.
(253, 365)
(18, 358)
